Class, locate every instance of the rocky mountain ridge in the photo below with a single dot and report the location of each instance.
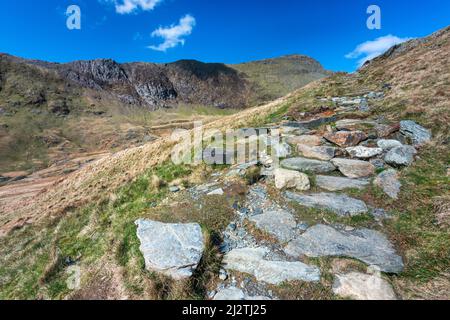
(163, 85)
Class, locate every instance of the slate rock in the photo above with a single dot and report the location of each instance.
(388, 182)
(400, 156)
(340, 204)
(306, 165)
(332, 183)
(360, 286)
(418, 134)
(317, 152)
(363, 152)
(346, 138)
(252, 261)
(171, 249)
(280, 224)
(369, 246)
(309, 140)
(354, 168)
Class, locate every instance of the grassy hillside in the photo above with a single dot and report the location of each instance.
(87, 219)
(274, 78)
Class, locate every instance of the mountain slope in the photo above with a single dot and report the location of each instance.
(89, 216)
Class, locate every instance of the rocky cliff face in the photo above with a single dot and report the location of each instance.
(163, 85)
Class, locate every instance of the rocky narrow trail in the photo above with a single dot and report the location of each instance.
(325, 158)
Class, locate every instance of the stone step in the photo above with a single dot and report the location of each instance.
(354, 168)
(308, 165)
(340, 204)
(252, 261)
(369, 246)
(332, 183)
(281, 224)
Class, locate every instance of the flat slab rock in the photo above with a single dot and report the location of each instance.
(346, 138)
(369, 246)
(354, 168)
(360, 286)
(251, 261)
(305, 165)
(332, 183)
(171, 249)
(280, 224)
(340, 204)
(317, 152)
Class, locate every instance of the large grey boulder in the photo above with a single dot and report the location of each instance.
(400, 156)
(280, 224)
(332, 183)
(354, 168)
(369, 246)
(418, 134)
(308, 165)
(388, 182)
(252, 261)
(171, 249)
(360, 286)
(340, 204)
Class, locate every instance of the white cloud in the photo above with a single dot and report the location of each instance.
(372, 49)
(174, 35)
(129, 6)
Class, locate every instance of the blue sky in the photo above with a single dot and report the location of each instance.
(229, 31)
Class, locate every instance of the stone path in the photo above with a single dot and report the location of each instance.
(320, 168)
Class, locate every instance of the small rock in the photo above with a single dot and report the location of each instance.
(369, 246)
(306, 165)
(332, 183)
(388, 182)
(354, 168)
(400, 156)
(223, 275)
(291, 179)
(346, 138)
(234, 293)
(340, 204)
(172, 249)
(363, 152)
(378, 163)
(174, 189)
(317, 152)
(360, 286)
(418, 134)
(388, 144)
(217, 192)
(230, 294)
